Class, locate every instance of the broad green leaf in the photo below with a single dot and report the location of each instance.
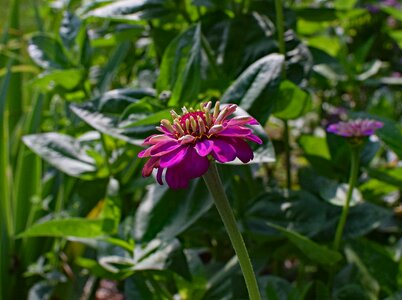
(317, 153)
(48, 52)
(379, 263)
(106, 223)
(155, 255)
(345, 4)
(165, 213)
(292, 102)
(180, 70)
(69, 29)
(253, 88)
(66, 79)
(77, 227)
(110, 125)
(63, 152)
(390, 176)
(316, 252)
(390, 134)
(277, 288)
(109, 70)
(321, 14)
(301, 212)
(393, 11)
(131, 10)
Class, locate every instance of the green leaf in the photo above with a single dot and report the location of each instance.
(110, 114)
(76, 227)
(48, 52)
(180, 70)
(390, 134)
(165, 213)
(66, 79)
(131, 10)
(109, 70)
(107, 223)
(277, 288)
(63, 152)
(254, 88)
(317, 253)
(378, 262)
(292, 102)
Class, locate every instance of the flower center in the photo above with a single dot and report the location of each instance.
(196, 123)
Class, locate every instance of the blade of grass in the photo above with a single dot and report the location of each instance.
(6, 212)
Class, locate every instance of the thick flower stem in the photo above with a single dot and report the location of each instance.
(215, 187)
(352, 182)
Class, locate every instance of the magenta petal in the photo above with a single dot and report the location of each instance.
(253, 138)
(243, 150)
(152, 163)
(192, 166)
(237, 121)
(223, 151)
(204, 147)
(173, 158)
(164, 147)
(235, 131)
(159, 176)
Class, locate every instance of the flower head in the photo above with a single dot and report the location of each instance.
(183, 148)
(355, 128)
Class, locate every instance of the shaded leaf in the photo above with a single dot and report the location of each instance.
(252, 88)
(165, 213)
(47, 52)
(180, 70)
(63, 152)
(316, 252)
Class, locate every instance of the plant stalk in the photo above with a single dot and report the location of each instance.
(345, 210)
(217, 191)
(280, 27)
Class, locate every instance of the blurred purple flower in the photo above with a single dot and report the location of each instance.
(355, 128)
(393, 3)
(184, 146)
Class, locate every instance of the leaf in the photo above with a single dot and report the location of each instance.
(67, 79)
(165, 213)
(252, 89)
(109, 70)
(63, 152)
(77, 227)
(47, 52)
(132, 10)
(277, 288)
(378, 262)
(301, 212)
(108, 114)
(292, 102)
(180, 70)
(107, 223)
(69, 29)
(317, 253)
(390, 134)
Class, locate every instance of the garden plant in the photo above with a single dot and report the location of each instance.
(201, 149)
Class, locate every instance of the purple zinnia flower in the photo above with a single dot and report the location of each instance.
(184, 146)
(355, 128)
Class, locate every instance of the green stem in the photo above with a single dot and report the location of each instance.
(352, 182)
(217, 191)
(287, 155)
(280, 27)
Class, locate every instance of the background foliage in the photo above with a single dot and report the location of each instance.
(83, 82)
